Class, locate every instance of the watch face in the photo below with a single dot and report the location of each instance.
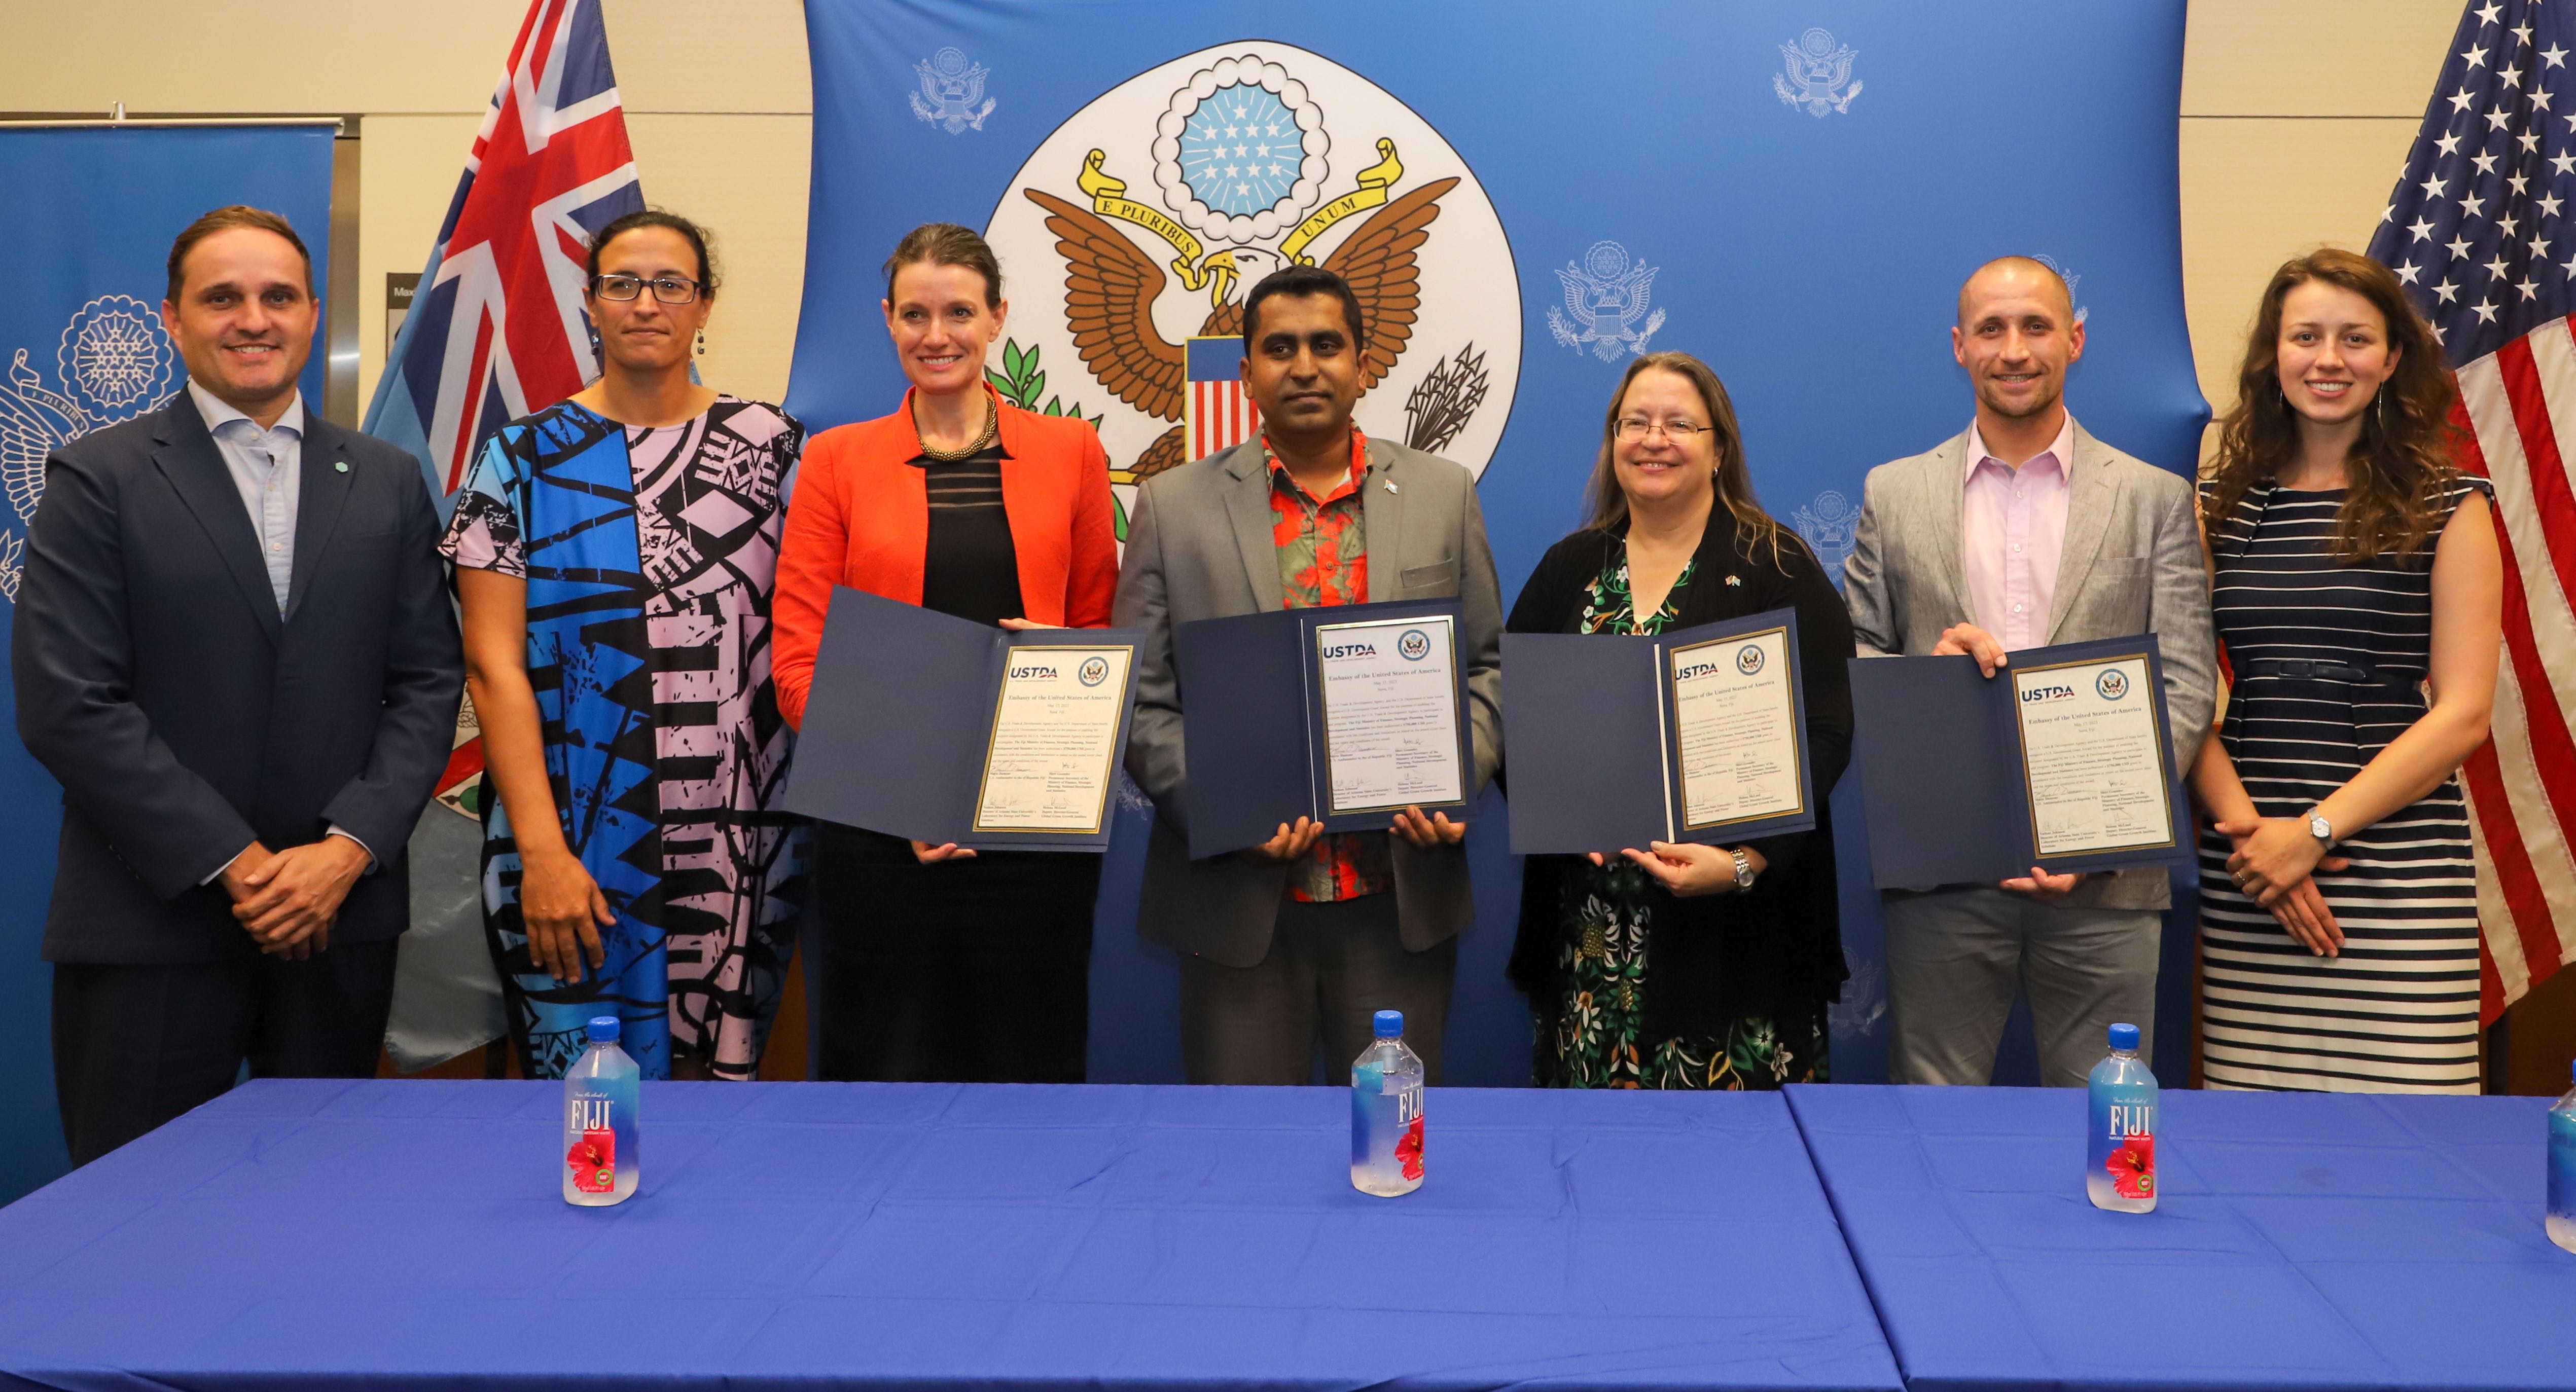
(2319, 828)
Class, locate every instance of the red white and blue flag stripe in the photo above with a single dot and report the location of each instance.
(1216, 414)
(2481, 230)
(496, 329)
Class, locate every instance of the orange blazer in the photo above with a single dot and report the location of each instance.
(860, 517)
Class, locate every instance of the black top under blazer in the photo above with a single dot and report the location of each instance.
(184, 716)
(1720, 955)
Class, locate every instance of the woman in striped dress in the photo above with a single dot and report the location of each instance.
(2356, 597)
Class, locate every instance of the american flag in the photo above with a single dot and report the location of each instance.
(1216, 414)
(2481, 230)
(497, 329)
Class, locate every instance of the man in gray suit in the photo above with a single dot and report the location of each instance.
(2025, 531)
(1306, 936)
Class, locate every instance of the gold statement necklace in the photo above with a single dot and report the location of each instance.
(983, 441)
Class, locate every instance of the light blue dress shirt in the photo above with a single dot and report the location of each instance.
(268, 468)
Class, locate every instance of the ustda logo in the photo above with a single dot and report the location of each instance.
(1817, 74)
(952, 92)
(1606, 297)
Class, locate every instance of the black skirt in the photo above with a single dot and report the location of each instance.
(968, 971)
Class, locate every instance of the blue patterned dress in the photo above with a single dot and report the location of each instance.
(650, 557)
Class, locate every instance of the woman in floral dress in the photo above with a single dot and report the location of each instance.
(615, 556)
(1679, 965)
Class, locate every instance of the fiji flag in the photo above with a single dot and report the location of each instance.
(1219, 415)
(497, 331)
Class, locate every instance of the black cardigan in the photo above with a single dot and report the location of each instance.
(1777, 948)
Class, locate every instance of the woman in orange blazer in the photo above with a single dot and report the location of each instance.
(939, 964)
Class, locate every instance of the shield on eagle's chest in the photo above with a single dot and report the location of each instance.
(1219, 415)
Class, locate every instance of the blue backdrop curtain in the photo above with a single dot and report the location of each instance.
(1791, 191)
(89, 215)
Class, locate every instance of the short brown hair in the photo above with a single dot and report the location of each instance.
(947, 244)
(224, 220)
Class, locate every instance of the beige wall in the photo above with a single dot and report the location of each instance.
(2293, 129)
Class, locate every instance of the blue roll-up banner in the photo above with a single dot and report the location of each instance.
(89, 214)
(1532, 194)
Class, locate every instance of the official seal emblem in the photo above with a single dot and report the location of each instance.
(1749, 658)
(952, 92)
(2111, 684)
(113, 364)
(1817, 74)
(1150, 213)
(1830, 524)
(1414, 645)
(1606, 294)
(1093, 672)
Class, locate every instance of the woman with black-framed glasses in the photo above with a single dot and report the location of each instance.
(1674, 965)
(616, 554)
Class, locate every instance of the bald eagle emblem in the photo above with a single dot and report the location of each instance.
(1817, 75)
(952, 92)
(113, 363)
(1164, 230)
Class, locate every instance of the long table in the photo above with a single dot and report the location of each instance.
(2300, 1241)
(411, 1234)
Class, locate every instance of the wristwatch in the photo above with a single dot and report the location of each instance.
(1743, 869)
(2319, 827)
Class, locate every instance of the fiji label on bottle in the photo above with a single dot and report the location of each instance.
(2132, 1161)
(594, 1157)
(1408, 1146)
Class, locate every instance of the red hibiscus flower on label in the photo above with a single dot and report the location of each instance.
(1408, 1150)
(594, 1162)
(2133, 1168)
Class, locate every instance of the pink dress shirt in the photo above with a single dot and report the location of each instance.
(2012, 527)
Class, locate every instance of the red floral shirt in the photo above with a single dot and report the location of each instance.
(1323, 559)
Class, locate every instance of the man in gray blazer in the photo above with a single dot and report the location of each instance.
(2025, 531)
(1308, 935)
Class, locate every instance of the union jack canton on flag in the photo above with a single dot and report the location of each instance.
(2482, 230)
(497, 328)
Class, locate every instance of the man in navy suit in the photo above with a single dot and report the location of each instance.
(234, 649)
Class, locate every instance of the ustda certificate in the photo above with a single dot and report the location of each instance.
(2093, 755)
(1390, 703)
(1055, 740)
(1735, 729)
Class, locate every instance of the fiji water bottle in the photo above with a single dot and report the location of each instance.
(1386, 1113)
(599, 1121)
(2562, 1171)
(2120, 1163)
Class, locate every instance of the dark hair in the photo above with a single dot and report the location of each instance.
(1606, 504)
(2399, 473)
(1297, 282)
(224, 220)
(695, 235)
(947, 244)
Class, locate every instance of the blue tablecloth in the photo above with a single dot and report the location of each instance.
(411, 1234)
(2300, 1241)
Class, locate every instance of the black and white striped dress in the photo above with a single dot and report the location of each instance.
(2327, 661)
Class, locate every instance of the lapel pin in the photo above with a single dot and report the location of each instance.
(341, 465)
(1735, 580)
(1390, 486)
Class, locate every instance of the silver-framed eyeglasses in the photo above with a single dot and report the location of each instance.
(667, 289)
(1678, 431)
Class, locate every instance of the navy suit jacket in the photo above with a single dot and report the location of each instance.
(184, 716)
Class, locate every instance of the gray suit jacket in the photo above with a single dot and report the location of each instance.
(1199, 547)
(2131, 564)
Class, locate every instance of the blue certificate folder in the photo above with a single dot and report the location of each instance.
(1943, 775)
(1593, 744)
(1253, 722)
(901, 718)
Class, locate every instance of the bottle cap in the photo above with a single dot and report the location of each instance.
(2124, 1036)
(603, 1029)
(1390, 1024)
